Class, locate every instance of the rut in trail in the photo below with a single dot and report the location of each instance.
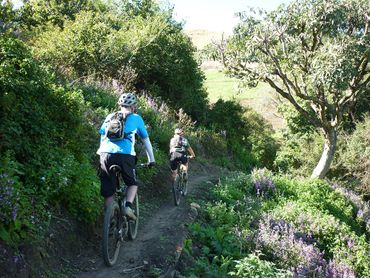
(160, 237)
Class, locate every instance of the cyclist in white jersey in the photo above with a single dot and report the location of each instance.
(179, 149)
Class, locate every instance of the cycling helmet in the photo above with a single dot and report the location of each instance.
(127, 99)
(179, 131)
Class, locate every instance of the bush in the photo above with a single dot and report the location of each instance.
(248, 136)
(355, 157)
(253, 266)
(309, 229)
(43, 126)
(298, 154)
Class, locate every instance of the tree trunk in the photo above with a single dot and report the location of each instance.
(327, 155)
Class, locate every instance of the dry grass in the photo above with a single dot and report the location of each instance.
(201, 38)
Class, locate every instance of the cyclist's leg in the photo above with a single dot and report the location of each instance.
(128, 163)
(107, 180)
(173, 164)
(131, 193)
(185, 165)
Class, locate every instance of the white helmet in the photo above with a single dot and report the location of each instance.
(179, 131)
(127, 99)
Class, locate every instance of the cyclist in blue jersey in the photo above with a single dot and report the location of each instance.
(121, 151)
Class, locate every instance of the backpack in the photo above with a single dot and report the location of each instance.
(116, 126)
(180, 144)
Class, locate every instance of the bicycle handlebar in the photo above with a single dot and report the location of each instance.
(144, 165)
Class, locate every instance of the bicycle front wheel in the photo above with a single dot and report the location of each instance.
(134, 224)
(112, 234)
(176, 188)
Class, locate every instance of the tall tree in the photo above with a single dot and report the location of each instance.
(314, 53)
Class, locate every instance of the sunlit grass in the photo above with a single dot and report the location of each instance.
(220, 86)
(260, 98)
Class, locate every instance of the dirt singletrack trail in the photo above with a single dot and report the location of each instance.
(158, 244)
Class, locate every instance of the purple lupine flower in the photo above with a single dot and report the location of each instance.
(291, 249)
(262, 181)
(362, 207)
(336, 270)
(9, 199)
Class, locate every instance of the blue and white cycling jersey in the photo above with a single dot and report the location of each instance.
(134, 125)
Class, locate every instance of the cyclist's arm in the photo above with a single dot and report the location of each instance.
(190, 150)
(172, 145)
(143, 133)
(148, 149)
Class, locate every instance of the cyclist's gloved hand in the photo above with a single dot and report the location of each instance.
(151, 164)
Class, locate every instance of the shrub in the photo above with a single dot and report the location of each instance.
(298, 154)
(253, 266)
(355, 157)
(44, 143)
(333, 237)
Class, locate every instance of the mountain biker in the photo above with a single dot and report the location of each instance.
(122, 152)
(179, 149)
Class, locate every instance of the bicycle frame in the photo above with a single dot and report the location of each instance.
(179, 186)
(116, 224)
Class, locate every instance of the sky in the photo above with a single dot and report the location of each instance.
(216, 15)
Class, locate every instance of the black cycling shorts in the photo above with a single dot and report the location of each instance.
(175, 158)
(108, 180)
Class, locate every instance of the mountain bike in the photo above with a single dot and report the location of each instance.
(117, 225)
(180, 185)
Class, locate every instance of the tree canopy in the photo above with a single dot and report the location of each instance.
(314, 53)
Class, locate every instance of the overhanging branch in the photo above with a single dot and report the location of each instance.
(291, 99)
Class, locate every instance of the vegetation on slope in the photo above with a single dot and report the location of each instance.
(261, 225)
(60, 75)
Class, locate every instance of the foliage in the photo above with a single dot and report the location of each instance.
(37, 13)
(298, 153)
(44, 143)
(254, 266)
(262, 181)
(314, 54)
(142, 52)
(245, 132)
(310, 229)
(210, 52)
(355, 156)
(7, 15)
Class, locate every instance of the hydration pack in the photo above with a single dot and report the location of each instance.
(116, 126)
(179, 144)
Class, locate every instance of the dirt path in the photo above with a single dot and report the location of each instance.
(159, 241)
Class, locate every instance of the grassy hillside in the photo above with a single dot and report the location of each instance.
(220, 86)
(261, 98)
(201, 38)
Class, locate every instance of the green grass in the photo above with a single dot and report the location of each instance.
(260, 98)
(220, 86)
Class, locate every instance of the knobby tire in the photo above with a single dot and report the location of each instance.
(111, 240)
(134, 224)
(176, 186)
(185, 187)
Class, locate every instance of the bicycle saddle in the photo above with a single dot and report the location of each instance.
(115, 169)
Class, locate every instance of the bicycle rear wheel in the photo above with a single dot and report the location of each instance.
(184, 187)
(134, 224)
(176, 188)
(112, 234)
